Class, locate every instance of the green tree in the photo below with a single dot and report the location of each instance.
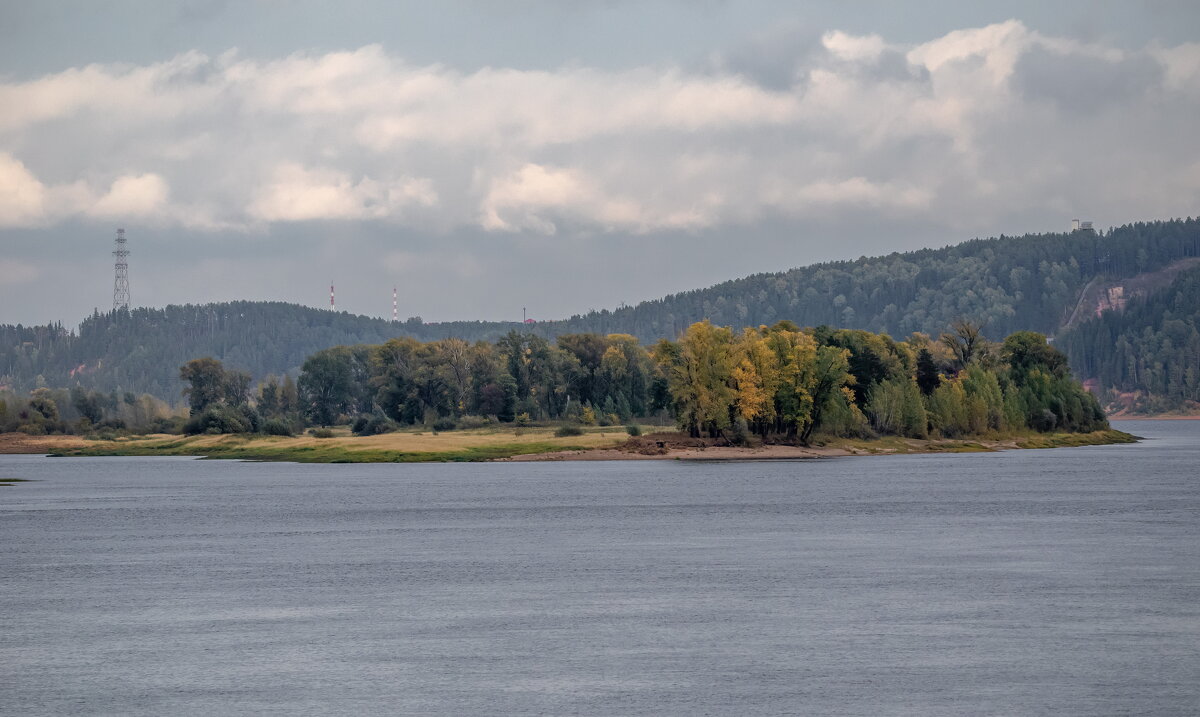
(206, 383)
(332, 382)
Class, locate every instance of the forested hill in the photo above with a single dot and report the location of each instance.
(1031, 282)
(141, 350)
(1147, 357)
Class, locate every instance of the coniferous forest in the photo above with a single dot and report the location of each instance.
(1150, 351)
(1003, 284)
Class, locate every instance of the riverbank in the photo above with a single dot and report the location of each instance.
(638, 449)
(1154, 417)
(521, 444)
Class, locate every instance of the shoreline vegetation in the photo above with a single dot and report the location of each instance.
(532, 444)
(767, 392)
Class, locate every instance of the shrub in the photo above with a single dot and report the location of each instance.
(277, 427)
(174, 424)
(372, 424)
(444, 424)
(468, 422)
(219, 419)
(522, 419)
(739, 432)
(320, 432)
(633, 429)
(568, 430)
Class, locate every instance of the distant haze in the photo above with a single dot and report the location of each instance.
(483, 157)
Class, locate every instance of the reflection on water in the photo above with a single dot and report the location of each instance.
(1064, 581)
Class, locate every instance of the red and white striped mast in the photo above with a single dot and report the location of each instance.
(332, 305)
(395, 307)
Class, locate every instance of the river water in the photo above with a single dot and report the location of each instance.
(1062, 582)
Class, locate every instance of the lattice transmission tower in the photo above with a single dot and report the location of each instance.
(121, 278)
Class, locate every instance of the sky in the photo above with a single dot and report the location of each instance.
(486, 158)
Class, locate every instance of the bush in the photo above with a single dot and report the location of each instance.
(320, 432)
(220, 419)
(277, 427)
(738, 432)
(469, 422)
(633, 429)
(372, 424)
(564, 431)
(444, 424)
(174, 424)
(32, 428)
(522, 419)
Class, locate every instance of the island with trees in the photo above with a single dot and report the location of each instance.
(770, 391)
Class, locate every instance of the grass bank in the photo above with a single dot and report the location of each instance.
(497, 444)
(399, 447)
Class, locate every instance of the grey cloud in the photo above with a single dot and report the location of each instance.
(1084, 83)
(251, 177)
(774, 60)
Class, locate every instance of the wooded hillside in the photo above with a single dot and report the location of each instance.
(1031, 282)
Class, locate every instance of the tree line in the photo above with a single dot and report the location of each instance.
(777, 383)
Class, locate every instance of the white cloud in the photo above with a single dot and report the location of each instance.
(853, 48)
(951, 130)
(22, 196)
(134, 197)
(298, 194)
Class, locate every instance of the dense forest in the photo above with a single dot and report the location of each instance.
(776, 383)
(1031, 282)
(1150, 352)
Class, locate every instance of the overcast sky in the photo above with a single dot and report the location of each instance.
(560, 156)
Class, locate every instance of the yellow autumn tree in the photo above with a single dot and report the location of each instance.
(699, 373)
(756, 378)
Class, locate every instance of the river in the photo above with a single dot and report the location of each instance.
(1062, 582)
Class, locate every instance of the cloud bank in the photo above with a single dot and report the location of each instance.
(954, 131)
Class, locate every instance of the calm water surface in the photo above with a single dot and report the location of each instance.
(1062, 582)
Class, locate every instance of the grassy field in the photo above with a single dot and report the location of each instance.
(400, 447)
(490, 443)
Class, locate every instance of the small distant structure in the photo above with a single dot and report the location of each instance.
(1114, 299)
(332, 304)
(395, 307)
(121, 274)
(1081, 226)
(530, 321)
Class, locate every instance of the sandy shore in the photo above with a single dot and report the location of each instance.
(715, 453)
